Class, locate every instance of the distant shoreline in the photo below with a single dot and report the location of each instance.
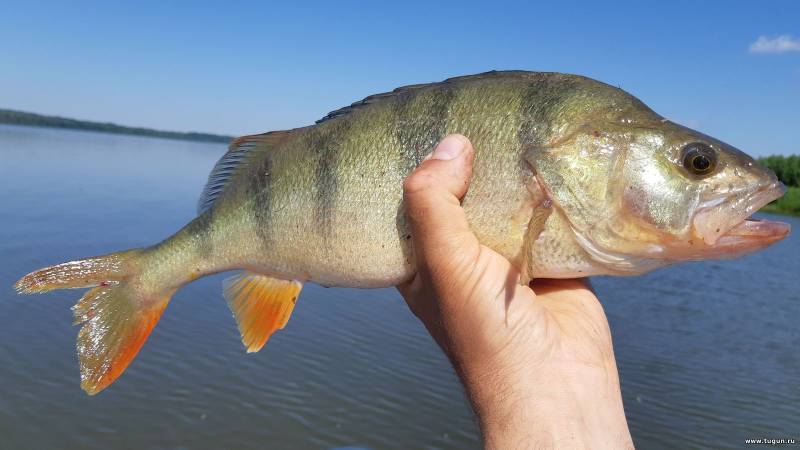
(12, 117)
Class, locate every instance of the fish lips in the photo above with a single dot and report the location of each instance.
(740, 234)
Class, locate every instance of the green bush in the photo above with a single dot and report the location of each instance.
(787, 168)
(788, 204)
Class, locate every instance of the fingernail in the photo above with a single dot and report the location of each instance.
(450, 148)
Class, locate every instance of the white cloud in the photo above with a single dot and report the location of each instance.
(781, 44)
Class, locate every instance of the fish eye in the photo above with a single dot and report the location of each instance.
(699, 158)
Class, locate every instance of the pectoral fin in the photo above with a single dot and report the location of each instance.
(535, 228)
(261, 305)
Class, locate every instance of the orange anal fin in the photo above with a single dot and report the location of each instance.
(116, 322)
(261, 305)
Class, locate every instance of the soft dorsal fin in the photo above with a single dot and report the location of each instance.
(242, 149)
(261, 305)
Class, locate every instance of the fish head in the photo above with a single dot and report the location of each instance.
(641, 192)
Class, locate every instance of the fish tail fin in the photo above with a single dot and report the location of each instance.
(117, 315)
(82, 273)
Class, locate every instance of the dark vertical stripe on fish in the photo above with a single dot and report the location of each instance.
(260, 190)
(324, 141)
(418, 128)
(541, 102)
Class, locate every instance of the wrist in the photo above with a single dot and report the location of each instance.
(577, 405)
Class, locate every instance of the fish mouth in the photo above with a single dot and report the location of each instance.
(741, 233)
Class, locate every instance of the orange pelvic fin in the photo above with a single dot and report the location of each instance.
(261, 305)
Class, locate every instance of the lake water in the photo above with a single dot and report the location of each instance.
(709, 353)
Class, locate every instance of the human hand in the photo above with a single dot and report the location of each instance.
(536, 361)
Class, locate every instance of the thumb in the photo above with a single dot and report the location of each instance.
(432, 195)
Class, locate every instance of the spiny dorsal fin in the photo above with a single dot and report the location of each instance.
(261, 305)
(374, 99)
(411, 89)
(242, 149)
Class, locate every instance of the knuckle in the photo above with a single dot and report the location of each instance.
(419, 182)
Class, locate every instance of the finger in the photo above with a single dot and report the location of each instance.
(432, 195)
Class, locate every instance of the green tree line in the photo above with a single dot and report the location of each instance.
(787, 168)
(30, 119)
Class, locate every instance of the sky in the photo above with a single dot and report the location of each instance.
(730, 69)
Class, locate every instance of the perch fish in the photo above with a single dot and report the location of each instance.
(572, 177)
